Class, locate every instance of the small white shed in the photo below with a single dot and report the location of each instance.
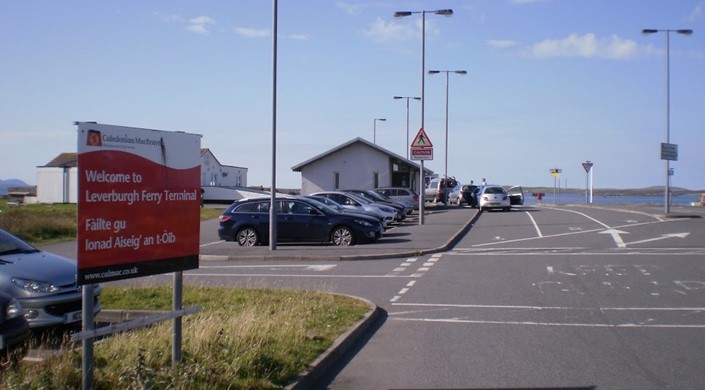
(358, 164)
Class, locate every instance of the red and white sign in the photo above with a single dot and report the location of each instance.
(421, 140)
(421, 147)
(421, 153)
(138, 202)
(587, 165)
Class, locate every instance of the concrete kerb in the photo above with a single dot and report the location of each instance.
(449, 244)
(344, 343)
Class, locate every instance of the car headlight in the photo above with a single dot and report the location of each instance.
(35, 286)
(362, 222)
(14, 309)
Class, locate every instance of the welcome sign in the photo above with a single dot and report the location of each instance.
(138, 202)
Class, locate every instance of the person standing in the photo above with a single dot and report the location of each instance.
(484, 181)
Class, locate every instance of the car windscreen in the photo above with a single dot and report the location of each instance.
(11, 244)
(494, 190)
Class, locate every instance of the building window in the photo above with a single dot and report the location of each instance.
(337, 180)
(376, 179)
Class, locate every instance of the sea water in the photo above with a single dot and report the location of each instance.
(573, 198)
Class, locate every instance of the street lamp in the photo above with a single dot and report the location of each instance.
(447, 72)
(667, 189)
(374, 135)
(401, 14)
(407, 119)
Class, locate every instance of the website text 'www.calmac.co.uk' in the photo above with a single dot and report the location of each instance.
(112, 273)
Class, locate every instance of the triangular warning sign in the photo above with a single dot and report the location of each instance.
(421, 140)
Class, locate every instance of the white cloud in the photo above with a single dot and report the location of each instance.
(501, 43)
(697, 11)
(350, 9)
(587, 46)
(298, 37)
(252, 32)
(169, 18)
(200, 25)
(382, 31)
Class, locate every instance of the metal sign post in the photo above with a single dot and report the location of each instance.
(555, 172)
(587, 165)
(421, 149)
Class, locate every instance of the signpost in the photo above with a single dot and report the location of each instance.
(555, 172)
(138, 214)
(421, 149)
(587, 165)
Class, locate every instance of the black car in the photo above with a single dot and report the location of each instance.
(468, 194)
(14, 328)
(299, 219)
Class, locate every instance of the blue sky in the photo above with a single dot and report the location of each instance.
(550, 83)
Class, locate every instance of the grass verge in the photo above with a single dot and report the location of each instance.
(242, 339)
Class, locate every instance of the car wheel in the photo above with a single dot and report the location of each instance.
(247, 237)
(342, 236)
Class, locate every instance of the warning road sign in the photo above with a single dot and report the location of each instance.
(422, 153)
(421, 140)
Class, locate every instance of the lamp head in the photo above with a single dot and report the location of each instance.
(461, 71)
(434, 71)
(685, 31)
(401, 14)
(649, 31)
(444, 12)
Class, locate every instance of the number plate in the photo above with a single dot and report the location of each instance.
(73, 316)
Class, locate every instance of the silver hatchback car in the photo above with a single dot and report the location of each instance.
(42, 282)
(403, 194)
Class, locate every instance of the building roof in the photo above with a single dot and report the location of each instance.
(299, 167)
(64, 160)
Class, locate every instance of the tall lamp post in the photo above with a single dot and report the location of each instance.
(667, 188)
(406, 145)
(374, 135)
(401, 14)
(447, 72)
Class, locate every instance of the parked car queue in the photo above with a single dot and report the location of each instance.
(485, 197)
(340, 218)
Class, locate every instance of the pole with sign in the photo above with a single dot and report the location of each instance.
(138, 213)
(421, 149)
(555, 173)
(587, 165)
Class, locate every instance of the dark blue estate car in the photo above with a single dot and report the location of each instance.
(299, 219)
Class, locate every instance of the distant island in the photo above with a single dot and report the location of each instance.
(647, 191)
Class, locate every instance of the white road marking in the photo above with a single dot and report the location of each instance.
(211, 243)
(526, 307)
(196, 274)
(536, 226)
(616, 236)
(314, 267)
(538, 323)
(663, 237)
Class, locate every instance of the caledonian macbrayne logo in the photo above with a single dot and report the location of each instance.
(94, 138)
